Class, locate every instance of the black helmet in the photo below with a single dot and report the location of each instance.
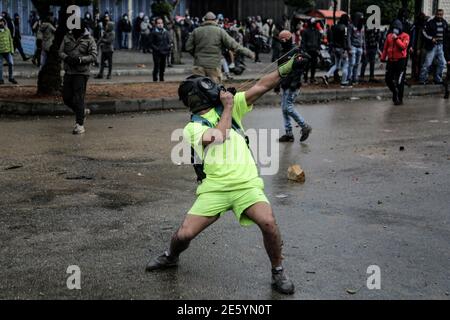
(199, 93)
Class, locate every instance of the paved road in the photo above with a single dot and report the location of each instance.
(109, 200)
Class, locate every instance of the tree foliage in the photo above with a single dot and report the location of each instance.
(162, 9)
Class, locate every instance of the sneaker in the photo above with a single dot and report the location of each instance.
(99, 76)
(325, 80)
(286, 138)
(281, 283)
(162, 262)
(346, 86)
(78, 129)
(306, 130)
(13, 81)
(231, 66)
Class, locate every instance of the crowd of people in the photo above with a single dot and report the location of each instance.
(344, 50)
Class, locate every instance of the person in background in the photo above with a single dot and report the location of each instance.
(357, 42)
(32, 19)
(171, 55)
(372, 37)
(417, 44)
(18, 38)
(395, 53)
(146, 29)
(89, 22)
(36, 60)
(290, 86)
(78, 50)
(311, 41)
(9, 23)
(434, 32)
(125, 29)
(160, 42)
(47, 35)
(6, 51)
(106, 45)
(137, 42)
(340, 46)
(206, 44)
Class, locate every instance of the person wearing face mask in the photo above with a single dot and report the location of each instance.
(78, 50)
(89, 22)
(160, 41)
(6, 51)
(124, 31)
(146, 29)
(290, 86)
(395, 53)
(434, 32)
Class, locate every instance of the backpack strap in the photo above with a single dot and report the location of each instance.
(196, 160)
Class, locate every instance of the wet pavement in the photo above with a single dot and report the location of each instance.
(109, 200)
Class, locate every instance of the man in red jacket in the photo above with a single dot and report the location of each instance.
(395, 53)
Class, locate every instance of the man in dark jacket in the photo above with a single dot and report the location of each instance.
(434, 32)
(18, 38)
(106, 44)
(339, 42)
(311, 40)
(78, 51)
(160, 41)
(125, 29)
(290, 86)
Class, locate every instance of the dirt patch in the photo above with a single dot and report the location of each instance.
(107, 92)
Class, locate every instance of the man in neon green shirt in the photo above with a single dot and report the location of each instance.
(231, 180)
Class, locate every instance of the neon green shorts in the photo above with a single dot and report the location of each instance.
(210, 204)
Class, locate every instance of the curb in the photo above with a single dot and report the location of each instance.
(141, 105)
(115, 73)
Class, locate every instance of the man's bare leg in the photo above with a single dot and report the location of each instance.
(189, 229)
(261, 213)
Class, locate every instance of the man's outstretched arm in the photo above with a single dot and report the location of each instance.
(271, 80)
(265, 84)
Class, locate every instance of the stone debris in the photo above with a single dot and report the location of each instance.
(296, 173)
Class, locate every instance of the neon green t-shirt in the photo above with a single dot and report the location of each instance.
(228, 166)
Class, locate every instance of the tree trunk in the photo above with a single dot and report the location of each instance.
(49, 78)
